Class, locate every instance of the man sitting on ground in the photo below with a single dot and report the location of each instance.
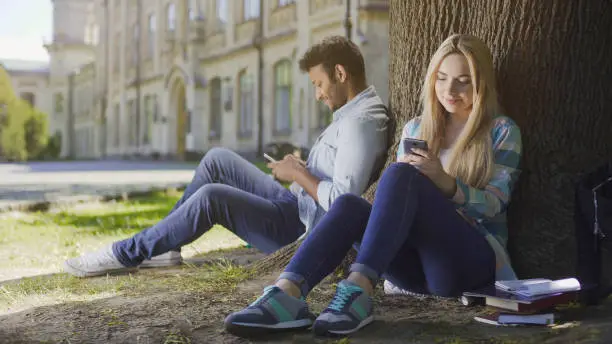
(228, 190)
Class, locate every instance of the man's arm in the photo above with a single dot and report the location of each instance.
(308, 182)
(361, 143)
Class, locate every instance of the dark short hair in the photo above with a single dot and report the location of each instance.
(332, 51)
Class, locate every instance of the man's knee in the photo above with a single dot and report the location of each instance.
(216, 154)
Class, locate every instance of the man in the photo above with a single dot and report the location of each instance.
(228, 190)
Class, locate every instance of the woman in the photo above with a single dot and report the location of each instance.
(437, 225)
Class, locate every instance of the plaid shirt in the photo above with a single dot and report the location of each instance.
(486, 208)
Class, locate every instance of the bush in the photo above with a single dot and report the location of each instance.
(23, 129)
(36, 137)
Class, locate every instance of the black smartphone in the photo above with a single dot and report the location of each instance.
(409, 143)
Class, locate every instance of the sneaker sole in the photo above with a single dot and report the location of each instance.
(252, 330)
(80, 273)
(160, 263)
(326, 331)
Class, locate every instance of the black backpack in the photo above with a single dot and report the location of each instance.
(593, 230)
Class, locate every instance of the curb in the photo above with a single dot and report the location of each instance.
(46, 205)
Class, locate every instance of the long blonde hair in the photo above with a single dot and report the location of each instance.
(471, 159)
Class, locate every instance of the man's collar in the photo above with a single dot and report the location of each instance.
(353, 103)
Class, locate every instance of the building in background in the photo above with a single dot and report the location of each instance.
(168, 78)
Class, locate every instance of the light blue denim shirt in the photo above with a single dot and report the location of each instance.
(347, 156)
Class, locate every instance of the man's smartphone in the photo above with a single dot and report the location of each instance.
(409, 144)
(269, 158)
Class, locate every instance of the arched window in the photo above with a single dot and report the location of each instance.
(282, 98)
(245, 104)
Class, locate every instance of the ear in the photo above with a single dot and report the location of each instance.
(340, 72)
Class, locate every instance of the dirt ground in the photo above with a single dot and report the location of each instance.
(196, 317)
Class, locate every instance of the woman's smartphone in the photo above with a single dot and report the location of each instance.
(409, 144)
(269, 158)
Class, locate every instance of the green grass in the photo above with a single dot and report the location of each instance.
(36, 244)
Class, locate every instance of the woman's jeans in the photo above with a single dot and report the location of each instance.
(412, 235)
(227, 190)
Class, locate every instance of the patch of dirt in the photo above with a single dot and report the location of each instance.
(196, 317)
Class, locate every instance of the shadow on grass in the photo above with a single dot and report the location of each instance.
(132, 217)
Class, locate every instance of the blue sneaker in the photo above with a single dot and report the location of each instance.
(274, 311)
(349, 310)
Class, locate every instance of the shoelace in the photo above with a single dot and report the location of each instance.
(343, 294)
(264, 297)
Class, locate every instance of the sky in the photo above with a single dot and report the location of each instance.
(24, 25)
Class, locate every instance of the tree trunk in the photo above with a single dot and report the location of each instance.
(554, 61)
(554, 70)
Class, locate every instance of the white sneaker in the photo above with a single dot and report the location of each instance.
(96, 264)
(169, 258)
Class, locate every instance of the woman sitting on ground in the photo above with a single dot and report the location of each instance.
(438, 222)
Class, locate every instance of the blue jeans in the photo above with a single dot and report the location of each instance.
(227, 190)
(411, 235)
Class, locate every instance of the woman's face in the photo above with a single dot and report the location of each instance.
(454, 85)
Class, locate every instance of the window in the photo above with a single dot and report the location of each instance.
(250, 9)
(282, 97)
(246, 100)
(135, 43)
(285, 2)
(215, 108)
(29, 97)
(222, 11)
(148, 120)
(130, 122)
(151, 35)
(171, 17)
(155, 109)
(324, 115)
(58, 103)
(117, 134)
(117, 53)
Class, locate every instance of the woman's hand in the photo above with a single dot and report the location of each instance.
(431, 166)
(425, 162)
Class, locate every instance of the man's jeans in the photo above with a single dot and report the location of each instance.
(411, 235)
(227, 190)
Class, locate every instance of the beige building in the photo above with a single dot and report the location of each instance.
(173, 77)
(30, 81)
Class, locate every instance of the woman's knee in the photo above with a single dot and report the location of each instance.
(349, 202)
(401, 168)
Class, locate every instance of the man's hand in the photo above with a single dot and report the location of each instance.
(288, 169)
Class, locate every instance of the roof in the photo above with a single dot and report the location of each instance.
(12, 65)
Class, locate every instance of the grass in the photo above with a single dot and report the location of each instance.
(36, 244)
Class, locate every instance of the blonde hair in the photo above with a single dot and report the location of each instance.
(471, 159)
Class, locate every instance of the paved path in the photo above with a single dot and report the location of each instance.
(51, 181)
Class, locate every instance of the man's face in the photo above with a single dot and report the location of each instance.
(331, 91)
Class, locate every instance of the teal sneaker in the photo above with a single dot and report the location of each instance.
(349, 310)
(274, 311)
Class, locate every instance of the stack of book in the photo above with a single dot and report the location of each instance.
(525, 302)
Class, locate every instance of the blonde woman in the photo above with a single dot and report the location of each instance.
(437, 225)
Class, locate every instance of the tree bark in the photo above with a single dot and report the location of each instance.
(554, 69)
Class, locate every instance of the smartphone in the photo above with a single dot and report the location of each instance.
(269, 158)
(409, 143)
